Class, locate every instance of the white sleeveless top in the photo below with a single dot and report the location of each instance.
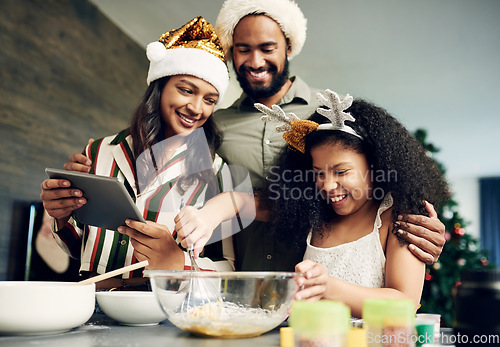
(360, 262)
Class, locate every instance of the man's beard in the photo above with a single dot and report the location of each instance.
(278, 80)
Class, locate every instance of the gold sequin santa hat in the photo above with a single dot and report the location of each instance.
(286, 13)
(193, 49)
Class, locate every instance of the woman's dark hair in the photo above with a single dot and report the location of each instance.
(147, 129)
(398, 164)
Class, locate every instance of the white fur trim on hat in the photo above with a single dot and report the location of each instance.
(285, 12)
(187, 61)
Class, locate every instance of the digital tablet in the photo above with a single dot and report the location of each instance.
(108, 202)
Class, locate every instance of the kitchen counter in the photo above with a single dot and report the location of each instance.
(101, 330)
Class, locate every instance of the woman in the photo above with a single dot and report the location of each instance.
(161, 160)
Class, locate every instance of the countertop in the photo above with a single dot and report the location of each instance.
(101, 330)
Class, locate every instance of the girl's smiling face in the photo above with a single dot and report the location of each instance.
(186, 103)
(343, 177)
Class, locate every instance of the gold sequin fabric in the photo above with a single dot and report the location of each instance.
(197, 33)
(296, 137)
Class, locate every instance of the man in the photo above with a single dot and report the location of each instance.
(260, 37)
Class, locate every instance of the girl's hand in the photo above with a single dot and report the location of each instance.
(59, 200)
(155, 243)
(194, 227)
(425, 234)
(315, 280)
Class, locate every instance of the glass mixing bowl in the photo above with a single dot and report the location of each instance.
(224, 304)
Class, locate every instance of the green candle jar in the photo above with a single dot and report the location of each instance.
(389, 322)
(322, 323)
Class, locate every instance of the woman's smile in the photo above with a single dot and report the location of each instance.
(186, 121)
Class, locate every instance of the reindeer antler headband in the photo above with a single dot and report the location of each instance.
(295, 130)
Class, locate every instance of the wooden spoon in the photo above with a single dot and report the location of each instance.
(114, 272)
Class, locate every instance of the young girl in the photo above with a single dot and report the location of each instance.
(354, 169)
(338, 189)
(158, 160)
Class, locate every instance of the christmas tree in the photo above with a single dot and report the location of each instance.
(461, 252)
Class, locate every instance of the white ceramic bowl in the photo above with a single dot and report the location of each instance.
(243, 304)
(29, 307)
(131, 307)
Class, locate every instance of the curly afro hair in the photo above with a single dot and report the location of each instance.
(392, 152)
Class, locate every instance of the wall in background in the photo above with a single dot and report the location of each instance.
(466, 192)
(66, 74)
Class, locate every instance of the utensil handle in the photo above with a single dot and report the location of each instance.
(114, 272)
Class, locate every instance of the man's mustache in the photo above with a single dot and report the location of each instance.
(270, 68)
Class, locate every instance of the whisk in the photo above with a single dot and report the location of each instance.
(203, 292)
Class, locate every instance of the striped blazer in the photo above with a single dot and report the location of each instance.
(101, 250)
